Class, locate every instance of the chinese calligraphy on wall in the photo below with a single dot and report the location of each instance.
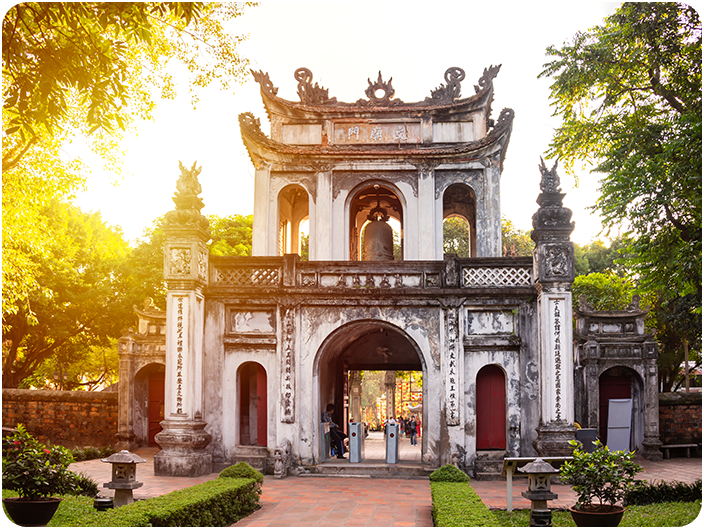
(452, 383)
(377, 132)
(557, 348)
(180, 315)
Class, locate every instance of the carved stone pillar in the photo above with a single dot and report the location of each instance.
(356, 397)
(390, 387)
(651, 440)
(554, 265)
(183, 439)
(125, 419)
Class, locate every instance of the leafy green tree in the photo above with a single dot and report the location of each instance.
(231, 235)
(516, 242)
(598, 258)
(143, 272)
(679, 328)
(88, 69)
(87, 369)
(372, 387)
(94, 64)
(78, 304)
(604, 291)
(455, 236)
(629, 95)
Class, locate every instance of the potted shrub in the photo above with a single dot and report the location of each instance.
(36, 473)
(601, 480)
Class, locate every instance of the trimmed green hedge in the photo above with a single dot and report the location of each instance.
(220, 502)
(647, 493)
(457, 505)
(242, 470)
(449, 473)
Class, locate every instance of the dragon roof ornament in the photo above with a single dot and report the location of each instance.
(379, 93)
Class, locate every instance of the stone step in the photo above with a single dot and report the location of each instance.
(369, 470)
(255, 456)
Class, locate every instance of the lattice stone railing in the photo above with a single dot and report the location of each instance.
(493, 276)
(258, 276)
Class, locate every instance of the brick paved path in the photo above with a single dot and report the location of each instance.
(342, 502)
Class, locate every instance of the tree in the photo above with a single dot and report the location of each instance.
(679, 329)
(598, 258)
(143, 272)
(455, 237)
(77, 305)
(93, 64)
(604, 291)
(629, 95)
(88, 68)
(231, 235)
(516, 242)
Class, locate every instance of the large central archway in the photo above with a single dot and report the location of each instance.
(364, 345)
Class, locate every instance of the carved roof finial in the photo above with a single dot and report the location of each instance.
(311, 94)
(447, 94)
(487, 78)
(187, 184)
(549, 181)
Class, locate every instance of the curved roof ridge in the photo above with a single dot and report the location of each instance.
(380, 93)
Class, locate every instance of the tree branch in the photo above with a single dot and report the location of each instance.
(663, 92)
(10, 164)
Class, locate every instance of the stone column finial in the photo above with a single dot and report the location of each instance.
(554, 265)
(183, 439)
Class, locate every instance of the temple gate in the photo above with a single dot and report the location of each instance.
(484, 330)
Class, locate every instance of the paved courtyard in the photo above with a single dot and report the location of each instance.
(363, 501)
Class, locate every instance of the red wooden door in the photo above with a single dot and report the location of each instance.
(155, 406)
(611, 387)
(253, 405)
(261, 406)
(491, 409)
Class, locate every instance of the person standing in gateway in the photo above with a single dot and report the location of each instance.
(412, 430)
(337, 436)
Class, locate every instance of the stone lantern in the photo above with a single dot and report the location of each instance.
(539, 474)
(124, 476)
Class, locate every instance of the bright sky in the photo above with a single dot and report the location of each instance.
(344, 44)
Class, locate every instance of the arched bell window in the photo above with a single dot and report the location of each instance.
(376, 224)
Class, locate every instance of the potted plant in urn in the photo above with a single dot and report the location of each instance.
(36, 473)
(601, 480)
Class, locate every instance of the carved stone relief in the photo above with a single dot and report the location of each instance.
(180, 261)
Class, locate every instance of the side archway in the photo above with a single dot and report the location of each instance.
(491, 408)
(148, 403)
(622, 383)
(252, 412)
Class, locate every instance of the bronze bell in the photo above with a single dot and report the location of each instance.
(378, 241)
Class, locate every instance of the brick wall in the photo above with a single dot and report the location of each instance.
(68, 418)
(680, 418)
